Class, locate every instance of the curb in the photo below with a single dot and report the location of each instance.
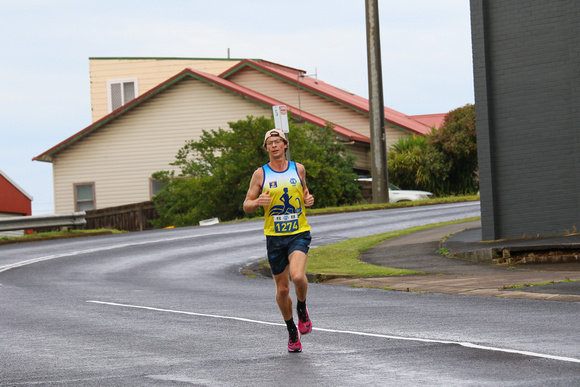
(452, 284)
(265, 270)
(550, 253)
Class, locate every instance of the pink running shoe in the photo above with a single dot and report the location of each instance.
(294, 344)
(304, 322)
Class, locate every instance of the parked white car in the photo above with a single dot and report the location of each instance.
(401, 195)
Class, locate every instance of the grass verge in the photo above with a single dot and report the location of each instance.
(43, 236)
(342, 257)
(372, 207)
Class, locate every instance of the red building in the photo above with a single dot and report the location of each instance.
(14, 201)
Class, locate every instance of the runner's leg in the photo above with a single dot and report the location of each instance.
(283, 294)
(298, 273)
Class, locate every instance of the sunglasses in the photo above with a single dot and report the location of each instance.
(277, 142)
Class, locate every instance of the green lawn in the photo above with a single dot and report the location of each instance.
(342, 257)
(42, 236)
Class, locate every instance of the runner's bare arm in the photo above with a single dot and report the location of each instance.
(254, 199)
(308, 199)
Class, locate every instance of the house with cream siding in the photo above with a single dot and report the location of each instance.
(336, 105)
(160, 104)
(110, 162)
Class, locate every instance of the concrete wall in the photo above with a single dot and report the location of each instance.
(527, 88)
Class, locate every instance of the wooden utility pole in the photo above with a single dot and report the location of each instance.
(379, 169)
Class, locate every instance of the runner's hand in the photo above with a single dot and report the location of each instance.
(264, 199)
(308, 200)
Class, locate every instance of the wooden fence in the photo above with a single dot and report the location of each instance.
(130, 217)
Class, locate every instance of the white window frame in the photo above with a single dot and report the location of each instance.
(76, 199)
(121, 81)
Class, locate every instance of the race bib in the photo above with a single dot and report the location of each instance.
(286, 223)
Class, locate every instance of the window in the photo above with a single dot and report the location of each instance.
(154, 187)
(121, 91)
(84, 196)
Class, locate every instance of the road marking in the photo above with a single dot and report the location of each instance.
(187, 313)
(461, 343)
(115, 247)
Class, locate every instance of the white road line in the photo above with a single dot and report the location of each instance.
(463, 344)
(114, 247)
(187, 313)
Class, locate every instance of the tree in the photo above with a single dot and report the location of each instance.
(444, 162)
(215, 171)
(452, 153)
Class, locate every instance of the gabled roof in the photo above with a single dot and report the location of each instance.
(325, 90)
(224, 84)
(13, 183)
(431, 120)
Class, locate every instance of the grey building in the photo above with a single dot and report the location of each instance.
(527, 99)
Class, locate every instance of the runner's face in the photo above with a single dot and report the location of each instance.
(275, 146)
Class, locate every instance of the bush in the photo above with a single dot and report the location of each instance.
(406, 163)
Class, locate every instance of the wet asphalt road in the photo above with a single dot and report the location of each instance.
(170, 307)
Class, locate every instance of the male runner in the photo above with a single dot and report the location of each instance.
(280, 188)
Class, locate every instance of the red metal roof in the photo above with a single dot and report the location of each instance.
(431, 120)
(333, 93)
(48, 155)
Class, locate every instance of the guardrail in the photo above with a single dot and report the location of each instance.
(38, 221)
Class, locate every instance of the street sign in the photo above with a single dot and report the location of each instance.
(281, 118)
(281, 122)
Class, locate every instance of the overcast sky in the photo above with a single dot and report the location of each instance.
(46, 45)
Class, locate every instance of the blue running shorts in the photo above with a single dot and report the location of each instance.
(280, 247)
